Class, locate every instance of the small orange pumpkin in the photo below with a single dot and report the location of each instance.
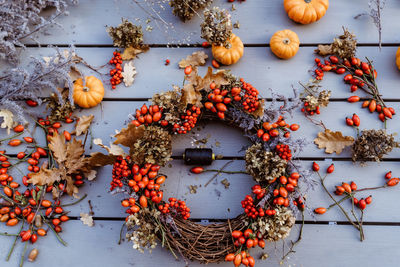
(284, 44)
(90, 94)
(398, 58)
(306, 11)
(231, 55)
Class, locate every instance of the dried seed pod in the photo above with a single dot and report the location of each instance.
(38, 221)
(33, 254)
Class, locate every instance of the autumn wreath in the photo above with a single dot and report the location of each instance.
(269, 213)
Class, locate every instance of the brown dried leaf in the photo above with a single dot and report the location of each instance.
(87, 219)
(198, 58)
(131, 52)
(46, 176)
(75, 158)
(333, 141)
(58, 147)
(99, 159)
(324, 50)
(83, 124)
(190, 94)
(218, 78)
(129, 135)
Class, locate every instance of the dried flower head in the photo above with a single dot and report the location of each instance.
(373, 145)
(126, 34)
(217, 26)
(59, 110)
(142, 232)
(344, 46)
(153, 147)
(274, 228)
(263, 165)
(185, 9)
(312, 97)
(171, 103)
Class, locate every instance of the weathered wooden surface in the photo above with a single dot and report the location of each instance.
(259, 19)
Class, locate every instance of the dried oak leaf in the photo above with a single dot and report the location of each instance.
(260, 110)
(58, 147)
(8, 121)
(46, 176)
(75, 156)
(129, 73)
(190, 92)
(324, 50)
(131, 52)
(333, 141)
(219, 78)
(87, 219)
(198, 58)
(74, 73)
(83, 124)
(99, 159)
(128, 136)
(112, 150)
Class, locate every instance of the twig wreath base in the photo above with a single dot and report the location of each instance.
(269, 212)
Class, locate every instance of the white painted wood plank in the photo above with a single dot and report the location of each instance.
(97, 246)
(258, 19)
(216, 202)
(258, 67)
(225, 140)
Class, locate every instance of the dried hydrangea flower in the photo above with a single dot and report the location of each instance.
(344, 46)
(274, 228)
(154, 147)
(373, 145)
(185, 9)
(171, 103)
(217, 26)
(263, 165)
(126, 34)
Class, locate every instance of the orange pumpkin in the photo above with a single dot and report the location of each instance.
(398, 58)
(90, 94)
(306, 11)
(231, 54)
(284, 44)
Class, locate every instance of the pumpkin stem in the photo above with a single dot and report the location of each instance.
(286, 41)
(86, 89)
(307, 1)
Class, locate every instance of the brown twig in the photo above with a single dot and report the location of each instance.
(219, 171)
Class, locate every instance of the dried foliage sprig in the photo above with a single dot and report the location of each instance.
(20, 84)
(19, 19)
(186, 9)
(217, 26)
(375, 12)
(126, 34)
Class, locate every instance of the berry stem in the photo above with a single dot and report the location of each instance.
(75, 202)
(340, 201)
(15, 241)
(215, 175)
(21, 263)
(54, 231)
(11, 137)
(227, 172)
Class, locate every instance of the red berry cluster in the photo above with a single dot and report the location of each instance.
(188, 120)
(220, 98)
(248, 238)
(258, 191)
(147, 115)
(250, 97)
(284, 152)
(251, 210)
(119, 171)
(177, 206)
(269, 130)
(299, 203)
(116, 73)
(383, 112)
(284, 187)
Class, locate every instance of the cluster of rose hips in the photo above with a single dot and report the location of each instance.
(383, 112)
(272, 129)
(53, 128)
(247, 238)
(284, 151)
(250, 100)
(326, 66)
(240, 257)
(176, 206)
(145, 182)
(116, 73)
(188, 120)
(353, 121)
(284, 187)
(147, 115)
(220, 99)
(299, 203)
